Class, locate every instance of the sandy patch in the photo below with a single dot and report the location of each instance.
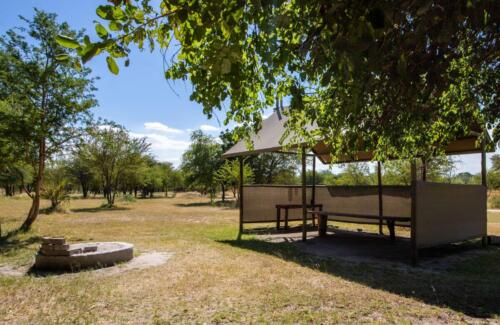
(143, 261)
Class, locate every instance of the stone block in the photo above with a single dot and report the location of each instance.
(63, 247)
(90, 248)
(53, 240)
(52, 252)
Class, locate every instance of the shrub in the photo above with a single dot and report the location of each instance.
(495, 202)
(128, 198)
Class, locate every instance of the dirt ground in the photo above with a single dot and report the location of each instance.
(210, 275)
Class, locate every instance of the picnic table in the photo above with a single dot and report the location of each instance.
(323, 217)
(287, 207)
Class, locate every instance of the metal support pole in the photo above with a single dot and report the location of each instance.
(304, 199)
(424, 169)
(380, 199)
(414, 249)
(241, 195)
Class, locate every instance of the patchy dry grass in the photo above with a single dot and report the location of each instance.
(216, 278)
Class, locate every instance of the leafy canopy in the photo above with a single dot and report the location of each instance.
(402, 79)
(201, 161)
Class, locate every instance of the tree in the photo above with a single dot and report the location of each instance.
(56, 186)
(494, 173)
(229, 174)
(402, 79)
(495, 162)
(155, 176)
(439, 169)
(268, 167)
(355, 174)
(200, 163)
(51, 95)
(112, 153)
(80, 170)
(464, 178)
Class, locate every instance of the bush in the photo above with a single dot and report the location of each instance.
(56, 188)
(128, 198)
(495, 202)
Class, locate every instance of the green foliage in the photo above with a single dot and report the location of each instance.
(48, 92)
(355, 174)
(494, 173)
(229, 174)
(80, 170)
(439, 169)
(402, 79)
(495, 202)
(495, 163)
(274, 168)
(56, 187)
(128, 198)
(201, 162)
(113, 154)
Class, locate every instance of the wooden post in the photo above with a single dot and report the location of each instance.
(313, 194)
(414, 249)
(241, 195)
(484, 180)
(380, 200)
(424, 169)
(304, 199)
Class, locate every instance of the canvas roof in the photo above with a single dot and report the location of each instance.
(267, 139)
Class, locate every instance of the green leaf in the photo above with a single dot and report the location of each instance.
(67, 42)
(62, 57)
(115, 26)
(139, 16)
(226, 30)
(104, 12)
(101, 31)
(118, 13)
(89, 52)
(112, 66)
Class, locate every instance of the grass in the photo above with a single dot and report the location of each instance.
(216, 278)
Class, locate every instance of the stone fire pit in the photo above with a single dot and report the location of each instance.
(56, 255)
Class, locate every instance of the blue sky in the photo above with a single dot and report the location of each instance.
(139, 97)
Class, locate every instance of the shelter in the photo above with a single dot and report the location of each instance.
(436, 213)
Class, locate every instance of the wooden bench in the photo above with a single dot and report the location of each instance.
(287, 207)
(324, 216)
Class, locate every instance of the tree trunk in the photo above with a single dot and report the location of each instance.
(223, 193)
(85, 190)
(35, 206)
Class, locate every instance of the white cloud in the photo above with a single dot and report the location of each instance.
(157, 126)
(162, 142)
(209, 128)
(163, 147)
